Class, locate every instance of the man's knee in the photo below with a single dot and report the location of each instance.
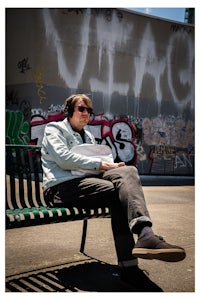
(132, 170)
(129, 172)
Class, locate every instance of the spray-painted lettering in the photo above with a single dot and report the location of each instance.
(39, 84)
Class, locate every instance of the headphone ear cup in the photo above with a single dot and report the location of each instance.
(68, 106)
(67, 111)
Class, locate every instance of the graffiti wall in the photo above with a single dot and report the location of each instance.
(138, 70)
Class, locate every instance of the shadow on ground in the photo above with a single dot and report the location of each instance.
(94, 276)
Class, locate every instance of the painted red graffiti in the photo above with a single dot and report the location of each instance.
(118, 134)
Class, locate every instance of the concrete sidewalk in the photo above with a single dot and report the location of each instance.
(46, 258)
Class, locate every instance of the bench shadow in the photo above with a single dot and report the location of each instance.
(95, 276)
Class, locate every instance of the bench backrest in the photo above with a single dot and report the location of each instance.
(23, 177)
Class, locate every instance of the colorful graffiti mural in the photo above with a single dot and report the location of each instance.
(118, 134)
(165, 144)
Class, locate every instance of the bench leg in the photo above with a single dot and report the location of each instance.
(84, 232)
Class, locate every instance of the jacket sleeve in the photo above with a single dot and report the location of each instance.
(56, 149)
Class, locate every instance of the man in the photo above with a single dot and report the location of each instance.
(117, 186)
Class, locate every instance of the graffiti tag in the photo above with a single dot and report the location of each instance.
(39, 84)
(23, 65)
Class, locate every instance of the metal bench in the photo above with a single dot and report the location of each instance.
(25, 204)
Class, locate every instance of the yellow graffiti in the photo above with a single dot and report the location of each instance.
(39, 83)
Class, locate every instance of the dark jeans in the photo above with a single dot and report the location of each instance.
(121, 190)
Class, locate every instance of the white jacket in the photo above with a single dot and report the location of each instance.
(57, 159)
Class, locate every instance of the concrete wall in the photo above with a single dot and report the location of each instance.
(138, 70)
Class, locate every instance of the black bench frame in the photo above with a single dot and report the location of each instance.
(25, 204)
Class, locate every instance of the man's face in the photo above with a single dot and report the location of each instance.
(80, 118)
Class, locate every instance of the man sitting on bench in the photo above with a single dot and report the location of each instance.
(91, 181)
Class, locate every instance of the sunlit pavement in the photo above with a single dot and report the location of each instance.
(47, 258)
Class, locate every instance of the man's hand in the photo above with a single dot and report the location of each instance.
(105, 166)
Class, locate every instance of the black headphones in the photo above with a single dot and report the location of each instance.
(68, 107)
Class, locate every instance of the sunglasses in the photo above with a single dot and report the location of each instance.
(83, 108)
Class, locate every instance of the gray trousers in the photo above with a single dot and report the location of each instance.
(121, 190)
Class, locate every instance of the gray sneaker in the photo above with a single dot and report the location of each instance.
(156, 248)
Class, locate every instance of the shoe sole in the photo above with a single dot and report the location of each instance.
(169, 255)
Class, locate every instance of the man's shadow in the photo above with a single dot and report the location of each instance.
(97, 277)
